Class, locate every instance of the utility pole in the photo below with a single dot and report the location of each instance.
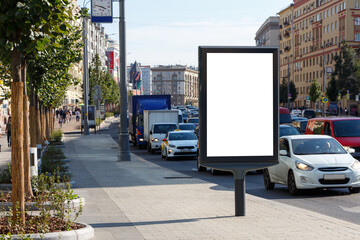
(124, 148)
(85, 77)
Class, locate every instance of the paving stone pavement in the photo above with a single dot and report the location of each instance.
(134, 200)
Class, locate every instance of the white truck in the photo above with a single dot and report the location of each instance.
(156, 124)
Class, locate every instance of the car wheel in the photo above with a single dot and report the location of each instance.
(152, 151)
(199, 167)
(162, 154)
(148, 147)
(292, 184)
(267, 181)
(354, 189)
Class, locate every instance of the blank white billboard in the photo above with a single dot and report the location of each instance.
(240, 104)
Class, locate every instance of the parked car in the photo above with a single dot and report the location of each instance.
(285, 130)
(299, 118)
(179, 144)
(193, 120)
(300, 125)
(309, 162)
(187, 126)
(285, 117)
(309, 113)
(296, 112)
(346, 130)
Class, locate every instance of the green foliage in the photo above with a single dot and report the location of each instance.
(109, 114)
(315, 91)
(52, 163)
(332, 90)
(347, 70)
(283, 92)
(292, 90)
(97, 76)
(56, 135)
(5, 176)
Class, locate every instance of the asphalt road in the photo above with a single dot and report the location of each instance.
(338, 203)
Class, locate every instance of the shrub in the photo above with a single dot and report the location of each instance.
(109, 114)
(5, 176)
(56, 135)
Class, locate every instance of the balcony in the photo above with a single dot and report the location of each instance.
(287, 48)
(286, 23)
(286, 34)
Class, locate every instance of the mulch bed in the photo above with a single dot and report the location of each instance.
(34, 225)
(7, 197)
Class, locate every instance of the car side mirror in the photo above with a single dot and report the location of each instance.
(351, 150)
(150, 132)
(283, 153)
(164, 140)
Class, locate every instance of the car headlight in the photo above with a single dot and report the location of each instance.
(303, 166)
(356, 165)
(155, 140)
(172, 146)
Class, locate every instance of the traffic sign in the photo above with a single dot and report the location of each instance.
(307, 98)
(329, 69)
(348, 96)
(324, 100)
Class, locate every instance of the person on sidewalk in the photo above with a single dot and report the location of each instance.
(77, 115)
(8, 131)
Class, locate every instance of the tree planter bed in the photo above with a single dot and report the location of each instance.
(85, 233)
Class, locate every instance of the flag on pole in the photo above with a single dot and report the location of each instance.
(135, 75)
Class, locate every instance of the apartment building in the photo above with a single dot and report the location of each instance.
(181, 82)
(268, 33)
(311, 39)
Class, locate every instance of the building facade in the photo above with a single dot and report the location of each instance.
(316, 28)
(181, 82)
(268, 33)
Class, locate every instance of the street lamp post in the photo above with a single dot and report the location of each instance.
(85, 77)
(124, 148)
(323, 86)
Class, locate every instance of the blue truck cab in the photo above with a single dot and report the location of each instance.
(137, 105)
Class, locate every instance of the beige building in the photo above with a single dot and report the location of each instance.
(310, 39)
(268, 33)
(181, 82)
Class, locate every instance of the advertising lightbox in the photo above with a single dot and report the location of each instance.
(239, 107)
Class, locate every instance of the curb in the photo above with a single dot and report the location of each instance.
(85, 233)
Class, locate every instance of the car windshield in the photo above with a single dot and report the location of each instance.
(285, 131)
(347, 128)
(193, 120)
(187, 127)
(182, 136)
(164, 128)
(316, 146)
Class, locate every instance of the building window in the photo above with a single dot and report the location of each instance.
(357, 37)
(336, 9)
(335, 25)
(357, 21)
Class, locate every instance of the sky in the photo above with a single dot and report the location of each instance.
(168, 32)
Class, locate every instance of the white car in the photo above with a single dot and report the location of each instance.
(313, 161)
(296, 112)
(179, 144)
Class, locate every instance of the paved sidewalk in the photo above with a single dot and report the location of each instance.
(141, 200)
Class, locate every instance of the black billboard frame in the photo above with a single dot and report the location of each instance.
(238, 165)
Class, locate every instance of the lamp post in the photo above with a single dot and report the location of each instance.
(288, 85)
(124, 148)
(323, 86)
(85, 77)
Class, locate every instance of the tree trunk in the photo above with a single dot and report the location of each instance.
(32, 118)
(17, 152)
(47, 120)
(17, 135)
(27, 175)
(43, 133)
(38, 121)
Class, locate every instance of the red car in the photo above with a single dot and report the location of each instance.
(344, 129)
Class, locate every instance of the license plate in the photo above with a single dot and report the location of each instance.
(185, 150)
(334, 176)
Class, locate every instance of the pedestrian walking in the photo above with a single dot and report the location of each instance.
(70, 114)
(67, 116)
(77, 115)
(8, 131)
(60, 121)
